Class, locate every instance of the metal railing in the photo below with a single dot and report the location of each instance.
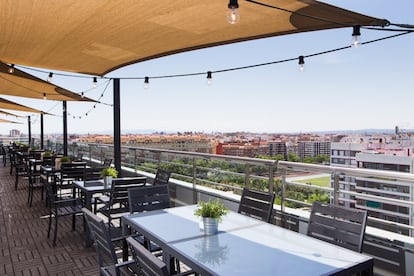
(231, 174)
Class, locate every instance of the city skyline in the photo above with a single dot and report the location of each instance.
(364, 88)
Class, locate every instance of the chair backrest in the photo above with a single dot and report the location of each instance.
(148, 198)
(118, 200)
(73, 170)
(338, 225)
(105, 250)
(107, 162)
(257, 204)
(162, 177)
(92, 173)
(148, 263)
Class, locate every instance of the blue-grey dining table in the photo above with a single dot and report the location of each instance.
(243, 246)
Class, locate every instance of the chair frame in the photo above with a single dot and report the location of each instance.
(162, 177)
(147, 263)
(104, 246)
(257, 204)
(117, 205)
(60, 207)
(338, 225)
(148, 198)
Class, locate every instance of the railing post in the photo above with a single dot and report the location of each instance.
(247, 176)
(282, 201)
(271, 180)
(90, 152)
(135, 160)
(195, 199)
(336, 189)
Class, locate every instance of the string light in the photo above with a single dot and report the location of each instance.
(209, 78)
(356, 36)
(301, 63)
(146, 82)
(11, 68)
(49, 79)
(233, 15)
(95, 82)
(82, 94)
(44, 96)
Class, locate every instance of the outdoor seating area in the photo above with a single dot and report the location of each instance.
(25, 247)
(54, 234)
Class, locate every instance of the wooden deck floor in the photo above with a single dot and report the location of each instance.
(24, 246)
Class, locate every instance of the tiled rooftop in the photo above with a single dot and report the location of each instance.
(24, 246)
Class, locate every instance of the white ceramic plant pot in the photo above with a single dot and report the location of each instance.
(210, 226)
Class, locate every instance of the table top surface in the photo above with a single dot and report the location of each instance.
(243, 245)
(188, 224)
(91, 185)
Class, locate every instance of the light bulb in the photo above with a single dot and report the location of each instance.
(49, 78)
(82, 95)
(11, 69)
(146, 83)
(44, 96)
(301, 63)
(95, 82)
(233, 15)
(356, 34)
(209, 78)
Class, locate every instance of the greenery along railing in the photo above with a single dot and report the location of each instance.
(225, 173)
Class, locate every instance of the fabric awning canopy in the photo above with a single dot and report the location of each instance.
(6, 104)
(8, 121)
(9, 114)
(22, 84)
(98, 36)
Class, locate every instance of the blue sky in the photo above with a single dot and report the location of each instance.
(368, 87)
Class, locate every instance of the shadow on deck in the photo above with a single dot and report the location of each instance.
(24, 246)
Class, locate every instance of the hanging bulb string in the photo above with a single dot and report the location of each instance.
(98, 101)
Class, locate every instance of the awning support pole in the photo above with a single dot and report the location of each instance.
(117, 127)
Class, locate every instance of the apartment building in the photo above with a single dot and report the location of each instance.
(384, 153)
(313, 148)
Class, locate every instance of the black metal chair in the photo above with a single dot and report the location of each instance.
(3, 153)
(257, 204)
(107, 162)
(34, 179)
(338, 225)
(148, 198)
(148, 264)
(105, 250)
(61, 207)
(116, 205)
(162, 177)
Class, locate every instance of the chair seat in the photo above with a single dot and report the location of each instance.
(67, 210)
(111, 270)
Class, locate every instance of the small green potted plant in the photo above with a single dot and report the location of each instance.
(108, 174)
(60, 160)
(211, 213)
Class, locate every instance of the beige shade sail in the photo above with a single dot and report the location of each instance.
(22, 84)
(98, 36)
(6, 104)
(8, 121)
(10, 114)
